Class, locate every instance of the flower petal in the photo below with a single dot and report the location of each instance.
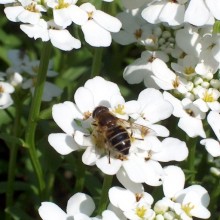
(127, 183)
(107, 21)
(80, 203)
(84, 100)
(195, 129)
(173, 181)
(172, 149)
(109, 166)
(63, 40)
(95, 35)
(90, 156)
(62, 143)
(212, 146)
(49, 210)
(64, 115)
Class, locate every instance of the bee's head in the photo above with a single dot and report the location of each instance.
(99, 110)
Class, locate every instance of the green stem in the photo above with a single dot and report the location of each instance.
(34, 114)
(79, 172)
(103, 202)
(191, 158)
(13, 157)
(97, 62)
(215, 195)
(98, 51)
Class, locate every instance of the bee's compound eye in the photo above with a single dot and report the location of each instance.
(98, 110)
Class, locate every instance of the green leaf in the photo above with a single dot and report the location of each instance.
(10, 40)
(18, 186)
(216, 27)
(46, 114)
(12, 140)
(18, 213)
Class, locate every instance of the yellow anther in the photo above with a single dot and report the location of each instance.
(138, 33)
(86, 115)
(120, 109)
(1, 89)
(140, 211)
(176, 82)
(208, 97)
(62, 4)
(187, 208)
(31, 7)
(90, 15)
(189, 70)
(138, 196)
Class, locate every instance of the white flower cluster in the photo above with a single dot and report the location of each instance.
(140, 165)
(38, 22)
(22, 75)
(191, 81)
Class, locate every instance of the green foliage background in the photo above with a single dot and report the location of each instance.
(66, 175)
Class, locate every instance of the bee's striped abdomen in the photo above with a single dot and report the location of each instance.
(119, 139)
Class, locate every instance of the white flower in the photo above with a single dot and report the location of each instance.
(141, 69)
(59, 37)
(66, 12)
(167, 79)
(189, 40)
(187, 203)
(50, 89)
(212, 145)
(78, 122)
(188, 113)
(207, 99)
(109, 215)
(98, 26)
(15, 79)
(5, 95)
(198, 12)
(133, 205)
(153, 106)
(165, 11)
(95, 92)
(187, 67)
(18, 60)
(144, 166)
(79, 206)
(28, 12)
(134, 29)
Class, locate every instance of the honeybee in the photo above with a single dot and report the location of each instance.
(114, 131)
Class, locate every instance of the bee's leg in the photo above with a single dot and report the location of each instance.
(109, 157)
(141, 139)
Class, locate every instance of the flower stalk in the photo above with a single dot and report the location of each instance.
(192, 142)
(34, 114)
(107, 183)
(13, 156)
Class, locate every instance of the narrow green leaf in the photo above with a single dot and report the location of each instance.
(18, 186)
(12, 140)
(46, 114)
(216, 27)
(18, 213)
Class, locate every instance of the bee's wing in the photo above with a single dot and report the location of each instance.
(136, 130)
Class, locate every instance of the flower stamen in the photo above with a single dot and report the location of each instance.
(62, 4)
(189, 70)
(119, 109)
(187, 208)
(140, 211)
(138, 33)
(1, 89)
